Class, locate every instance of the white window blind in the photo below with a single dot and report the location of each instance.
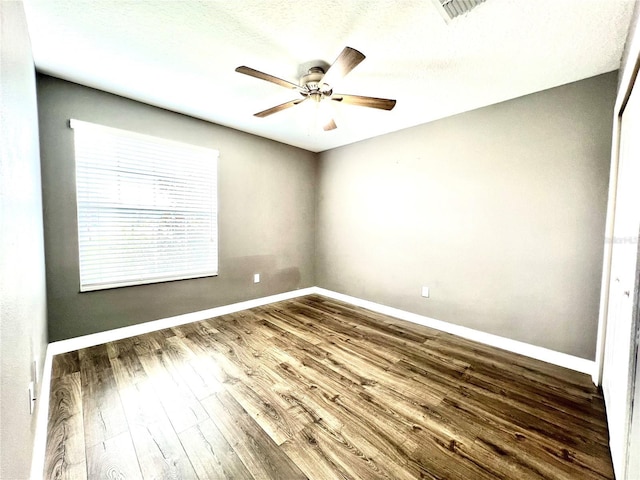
(147, 208)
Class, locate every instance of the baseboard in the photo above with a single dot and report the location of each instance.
(63, 346)
(544, 354)
(539, 353)
(42, 420)
(85, 341)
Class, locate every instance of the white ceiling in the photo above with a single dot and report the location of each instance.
(181, 55)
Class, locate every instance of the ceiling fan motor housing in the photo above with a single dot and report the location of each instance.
(312, 86)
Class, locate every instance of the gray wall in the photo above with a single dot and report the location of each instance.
(22, 278)
(500, 211)
(266, 214)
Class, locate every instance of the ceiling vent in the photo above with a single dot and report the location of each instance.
(450, 9)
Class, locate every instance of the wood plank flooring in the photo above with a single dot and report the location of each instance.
(315, 388)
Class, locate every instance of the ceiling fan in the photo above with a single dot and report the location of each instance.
(317, 85)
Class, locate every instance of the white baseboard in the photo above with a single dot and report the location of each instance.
(63, 346)
(85, 341)
(544, 354)
(42, 420)
(539, 353)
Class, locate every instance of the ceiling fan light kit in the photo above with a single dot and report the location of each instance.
(317, 85)
(451, 9)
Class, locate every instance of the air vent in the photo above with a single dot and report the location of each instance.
(450, 9)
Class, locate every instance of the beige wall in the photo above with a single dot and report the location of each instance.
(266, 214)
(500, 211)
(23, 333)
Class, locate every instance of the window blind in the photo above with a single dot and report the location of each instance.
(147, 208)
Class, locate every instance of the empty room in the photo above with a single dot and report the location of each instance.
(342, 240)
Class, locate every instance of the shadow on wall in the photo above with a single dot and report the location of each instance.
(239, 269)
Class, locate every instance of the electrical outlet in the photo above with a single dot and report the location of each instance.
(256, 278)
(425, 292)
(34, 373)
(32, 398)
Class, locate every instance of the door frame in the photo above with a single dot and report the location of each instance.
(611, 211)
(633, 415)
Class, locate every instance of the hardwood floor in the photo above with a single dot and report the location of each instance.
(314, 388)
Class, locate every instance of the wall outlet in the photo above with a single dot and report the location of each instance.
(32, 398)
(256, 278)
(34, 373)
(425, 292)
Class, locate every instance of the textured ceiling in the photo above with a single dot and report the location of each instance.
(181, 55)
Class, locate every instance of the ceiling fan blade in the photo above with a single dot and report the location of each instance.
(279, 108)
(330, 125)
(348, 59)
(371, 102)
(265, 76)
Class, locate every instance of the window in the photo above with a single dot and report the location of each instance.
(147, 208)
